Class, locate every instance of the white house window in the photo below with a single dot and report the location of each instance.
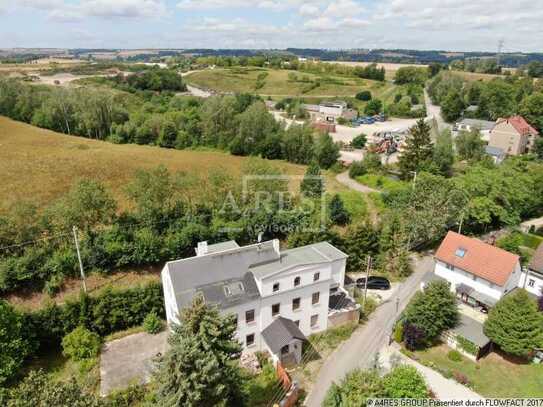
(297, 281)
(531, 283)
(315, 298)
(250, 340)
(275, 287)
(297, 323)
(276, 309)
(316, 276)
(314, 320)
(449, 266)
(284, 350)
(295, 304)
(474, 277)
(250, 316)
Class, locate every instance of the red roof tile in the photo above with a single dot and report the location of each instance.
(488, 262)
(520, 125)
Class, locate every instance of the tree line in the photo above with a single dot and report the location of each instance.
(496, 98)
(240, 124)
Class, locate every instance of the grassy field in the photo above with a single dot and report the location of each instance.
(492, 376)
(276, 83)
(39, 165)
(380, 182)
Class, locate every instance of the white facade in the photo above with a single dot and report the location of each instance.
(300, 292)
(457, 276)
(531, 282)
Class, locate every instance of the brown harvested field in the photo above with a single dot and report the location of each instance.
(40, 165)
(474, 76)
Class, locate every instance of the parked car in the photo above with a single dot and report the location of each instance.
(374, 283)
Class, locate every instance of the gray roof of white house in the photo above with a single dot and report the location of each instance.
(480, 124)
(316, 253)
(228, 264)
(471, 330)
(191, 275)
(281, 332)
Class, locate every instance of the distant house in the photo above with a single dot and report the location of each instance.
(480, 274)
(513, 135)
(278, 297)
(331, 111)
(532, 277)
(483, 126)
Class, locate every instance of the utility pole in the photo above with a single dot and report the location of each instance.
(74, 229)
(500, 47)
(461, 222)
(368, 267)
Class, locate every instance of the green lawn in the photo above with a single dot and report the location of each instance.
(492, 376)
(530, 240)
(355, 204)
(277, 84)
(380, 182)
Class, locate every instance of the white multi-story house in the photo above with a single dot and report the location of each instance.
(479, 273)
(279, 297)
(532, 277)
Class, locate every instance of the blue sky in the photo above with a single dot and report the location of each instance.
(457, 25)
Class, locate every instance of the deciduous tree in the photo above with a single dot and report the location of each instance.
(515, 324)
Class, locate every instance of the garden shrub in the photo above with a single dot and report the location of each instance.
(81, 344)
(110, 311)
(454, 355)
(461, 378)
(398, 333)
(152, 323)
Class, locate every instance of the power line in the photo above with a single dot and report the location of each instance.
(34, 241)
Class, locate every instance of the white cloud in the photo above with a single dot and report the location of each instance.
(309, 10)
(124, 8)
(343, 8)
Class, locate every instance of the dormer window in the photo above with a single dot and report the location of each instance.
(297, 281)
(275, 287)
(460, 252)
(234, 289)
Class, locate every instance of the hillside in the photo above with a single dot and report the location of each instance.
(276, 83)
(39, 165)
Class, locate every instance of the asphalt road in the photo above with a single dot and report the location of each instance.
(365, 343)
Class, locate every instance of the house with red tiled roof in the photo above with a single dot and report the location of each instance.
(513, 136)
(532, 277)
(480, 274)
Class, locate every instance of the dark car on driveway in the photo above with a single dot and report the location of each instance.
(374, 283)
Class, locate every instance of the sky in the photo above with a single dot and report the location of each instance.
(455, 25)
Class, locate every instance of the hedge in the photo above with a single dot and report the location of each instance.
(467, 345)
(111, 311)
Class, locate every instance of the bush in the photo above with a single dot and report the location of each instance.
(461, 378)
(454, 355)
(108, 312)
(152, 323)
(357, 169)
(364, 96)
(359, 141)
(81, 344)
(398, 332)
(405, 382)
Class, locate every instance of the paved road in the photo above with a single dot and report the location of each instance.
(361, 348)
(434, 111)
(344, 179)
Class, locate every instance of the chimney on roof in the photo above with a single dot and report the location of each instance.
(201, 249)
